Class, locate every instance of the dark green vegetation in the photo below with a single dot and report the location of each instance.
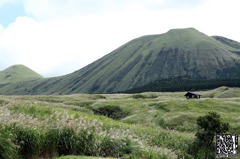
(114, 112)
(184, 84)
(50, 126)
(209, 125)
(17, 73)
(177, 53)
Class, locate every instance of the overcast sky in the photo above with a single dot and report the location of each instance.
(57, 37)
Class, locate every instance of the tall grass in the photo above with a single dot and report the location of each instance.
(31, 141)
(77, 133)
(17, 142)
(8, 150)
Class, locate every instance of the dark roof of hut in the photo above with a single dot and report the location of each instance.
(191, 93)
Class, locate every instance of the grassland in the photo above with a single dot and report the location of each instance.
(53, 126)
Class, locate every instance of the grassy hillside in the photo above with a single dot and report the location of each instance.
(17, 73)
(150, 125)
(228, 42)
(179, 52)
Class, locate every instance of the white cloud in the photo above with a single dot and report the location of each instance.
(48, 46)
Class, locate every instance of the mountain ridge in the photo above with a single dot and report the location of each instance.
(179, 52)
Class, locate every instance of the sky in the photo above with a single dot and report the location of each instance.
(58, 37)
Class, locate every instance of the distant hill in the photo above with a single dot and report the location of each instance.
(177, 53)
(17, 73)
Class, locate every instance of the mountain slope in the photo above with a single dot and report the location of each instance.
(228, 42)
(179, 52)
(17, 73)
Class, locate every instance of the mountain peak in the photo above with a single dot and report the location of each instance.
(17, 73)
(17, 66)
(183, 30)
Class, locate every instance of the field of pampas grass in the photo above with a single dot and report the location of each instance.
(89, 125)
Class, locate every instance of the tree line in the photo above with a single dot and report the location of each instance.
(184, 84)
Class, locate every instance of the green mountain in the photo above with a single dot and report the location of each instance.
(17, 73)
(228, 42)
(179, 52)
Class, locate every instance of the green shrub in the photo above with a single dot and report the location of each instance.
(208, 126)
(114, 112)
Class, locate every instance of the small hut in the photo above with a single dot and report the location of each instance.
(191, 95)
